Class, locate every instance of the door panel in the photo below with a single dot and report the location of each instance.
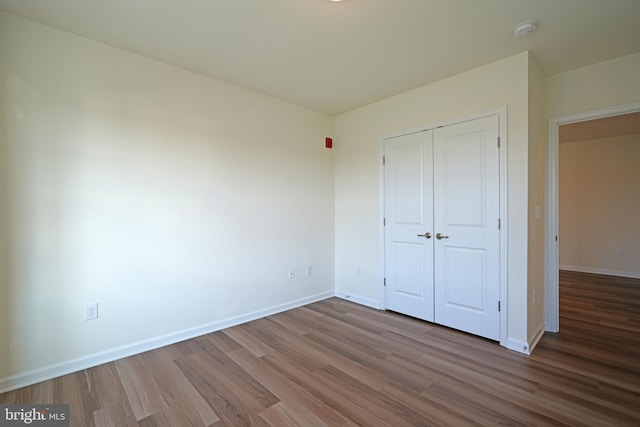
(464, 268)
(408, 213)
(463, 186)
(409, 277)
(466, 211)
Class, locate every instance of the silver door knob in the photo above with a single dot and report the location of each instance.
(426, 235)
(441, 236)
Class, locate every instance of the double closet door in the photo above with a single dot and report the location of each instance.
(441, 208)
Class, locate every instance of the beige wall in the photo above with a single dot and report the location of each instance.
(537, 128)
(173, 200)
(600, 205)
(359, 263)
(606, 84)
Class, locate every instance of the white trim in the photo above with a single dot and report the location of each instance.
(629, 274)
(518, 345)
(551, 306)
(501, 112)
(383, 295)
(360, 300)
(504, 225)
(42, 374)
(551, 296)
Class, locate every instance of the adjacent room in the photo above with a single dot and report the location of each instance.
(320, 212)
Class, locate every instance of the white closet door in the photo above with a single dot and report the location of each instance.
(409, 219)
(466, 213)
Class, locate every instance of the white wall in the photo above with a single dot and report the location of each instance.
(600, 205)
(537, 129)
(357, 174)
(127, 181)
(173, 200)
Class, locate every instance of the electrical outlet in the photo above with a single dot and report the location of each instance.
(292, 273)
(91, 311)
(309, 271)
(619, 251)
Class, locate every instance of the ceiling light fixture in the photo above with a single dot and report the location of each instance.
(524, 28)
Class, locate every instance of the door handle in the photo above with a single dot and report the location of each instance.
(441, 236)
(426, 235)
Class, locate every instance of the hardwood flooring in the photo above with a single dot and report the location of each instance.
(335, 363)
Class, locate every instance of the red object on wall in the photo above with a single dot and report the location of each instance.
(328, 142)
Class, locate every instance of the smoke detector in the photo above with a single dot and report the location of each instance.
(524, 28)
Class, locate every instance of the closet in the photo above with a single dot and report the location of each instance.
(442, 225)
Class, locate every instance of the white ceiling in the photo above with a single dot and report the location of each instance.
(336, 56)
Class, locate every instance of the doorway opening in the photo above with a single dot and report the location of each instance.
(567, 129)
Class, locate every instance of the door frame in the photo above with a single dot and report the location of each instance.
(552, 166)
(501, 113)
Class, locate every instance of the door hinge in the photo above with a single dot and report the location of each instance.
(384, 222)
(498, 306)
(384, 160)
(556, 237)
(499, 224)
(385, 281)
(498, 142)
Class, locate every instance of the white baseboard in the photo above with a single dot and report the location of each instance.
(46, 373)
(629, 274)
(526, 347)
(360, 300)
(518, 345)
(548, 329)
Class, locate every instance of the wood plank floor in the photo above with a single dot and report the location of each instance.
(334, 363)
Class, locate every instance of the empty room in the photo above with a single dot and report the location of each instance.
(319, 212)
